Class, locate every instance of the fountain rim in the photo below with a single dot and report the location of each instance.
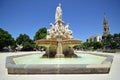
(54, 42)
(14, 68)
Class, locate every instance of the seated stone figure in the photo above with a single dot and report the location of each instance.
(68, 32)
(52, 27)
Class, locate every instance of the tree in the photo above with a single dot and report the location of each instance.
(5, 39)
(85, 45)
(40, 34)
(107, 40)
(114, 45)
(26, 42)
(97, 45)
(111, 41)
(116, 38)
(78, 47)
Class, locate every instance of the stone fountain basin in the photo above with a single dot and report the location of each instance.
(14, 68)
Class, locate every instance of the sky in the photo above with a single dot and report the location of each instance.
(84, 16)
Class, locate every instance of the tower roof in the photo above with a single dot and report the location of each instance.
(105, 20)
(106, 30)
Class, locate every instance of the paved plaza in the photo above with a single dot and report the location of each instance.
(113, 74)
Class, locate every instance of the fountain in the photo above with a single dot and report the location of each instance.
(59, 36)
(59, 57)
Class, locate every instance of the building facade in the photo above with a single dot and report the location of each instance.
(95, 38)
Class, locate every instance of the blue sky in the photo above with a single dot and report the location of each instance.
(84, 16)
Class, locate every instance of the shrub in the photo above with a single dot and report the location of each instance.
(110, 51)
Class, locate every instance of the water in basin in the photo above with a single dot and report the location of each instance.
(37, 59)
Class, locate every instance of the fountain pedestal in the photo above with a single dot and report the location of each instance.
(59, 56)
(59, 49)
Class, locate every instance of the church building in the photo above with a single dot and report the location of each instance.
(106, 31)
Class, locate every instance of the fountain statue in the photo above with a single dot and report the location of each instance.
(58, 15)
(59, 40)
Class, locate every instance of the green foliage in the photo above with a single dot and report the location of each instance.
(22, 38)
(40, 34)
(85, 45)
(91, 45)
(26, 42)
(114, 45)
(5, 39)
(97, 45)
(78, 47)
(111, 41)
(110, 51)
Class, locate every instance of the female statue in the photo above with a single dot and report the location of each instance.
(58, 15)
